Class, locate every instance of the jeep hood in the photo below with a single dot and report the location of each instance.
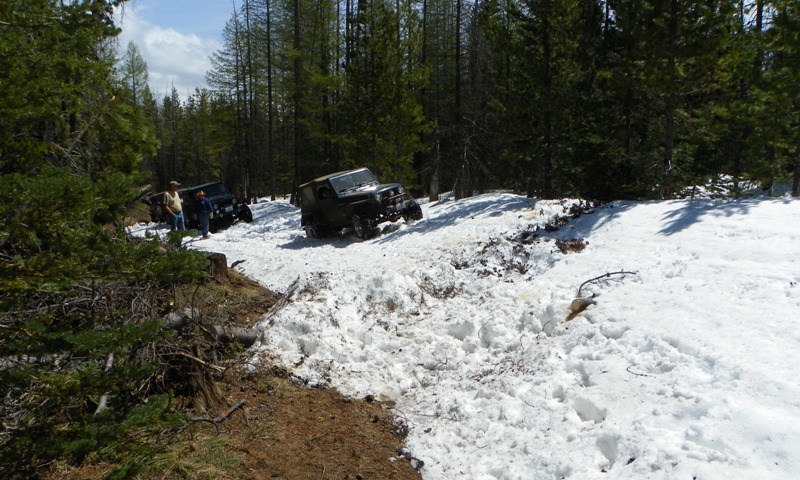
(366, 191)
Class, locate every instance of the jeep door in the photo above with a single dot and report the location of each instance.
(335, 214)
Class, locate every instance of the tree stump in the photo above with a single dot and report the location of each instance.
(219, 266)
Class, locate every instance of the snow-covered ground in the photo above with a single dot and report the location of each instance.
(685, 367)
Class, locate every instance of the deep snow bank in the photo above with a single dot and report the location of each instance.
(684, 370)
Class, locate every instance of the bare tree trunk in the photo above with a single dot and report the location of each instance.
(249, 139)
(669, 128)
(270, 120)
(796, 175)
(433, 187)
(296, 93)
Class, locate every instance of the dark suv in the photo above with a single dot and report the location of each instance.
(227, 207)
(352, 198)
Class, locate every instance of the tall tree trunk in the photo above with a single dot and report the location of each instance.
(796, 174)
(669, 113)
(462, 183)
(296, 93)
(433, 194)
(547, 189)
(324, 68)
(250, 174)
(270, 119)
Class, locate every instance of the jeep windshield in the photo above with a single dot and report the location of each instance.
(353, 181)
(216, 190)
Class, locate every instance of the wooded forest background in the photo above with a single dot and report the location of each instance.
(583, 98)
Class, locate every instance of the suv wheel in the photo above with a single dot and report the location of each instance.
(413, 214)
(364, 227)
(313, 230)
(245, 214)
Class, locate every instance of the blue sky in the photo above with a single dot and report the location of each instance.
(176, 39)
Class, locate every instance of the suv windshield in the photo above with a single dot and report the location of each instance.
(216, 189)
(353, 180)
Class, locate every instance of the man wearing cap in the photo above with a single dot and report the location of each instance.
(204, 211)
(173, 207)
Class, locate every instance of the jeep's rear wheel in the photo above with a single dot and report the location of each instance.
(364, 227)
(313, 230)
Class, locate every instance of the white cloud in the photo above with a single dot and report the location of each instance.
(173, 58)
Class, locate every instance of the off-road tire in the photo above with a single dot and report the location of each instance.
(414, 214)
(364, 227)
(313, 229)
(245, 214)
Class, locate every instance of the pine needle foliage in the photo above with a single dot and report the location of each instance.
(81, 303)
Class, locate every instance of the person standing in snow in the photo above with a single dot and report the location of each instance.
(204, 209)
(173, 207)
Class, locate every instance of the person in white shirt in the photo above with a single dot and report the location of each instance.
(173, 207)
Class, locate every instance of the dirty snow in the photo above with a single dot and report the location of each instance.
(684, 364)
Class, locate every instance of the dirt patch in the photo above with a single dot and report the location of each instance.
(287, 431)
(270, 424)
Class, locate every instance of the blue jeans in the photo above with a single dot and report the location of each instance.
(205, 221)
(176, 222)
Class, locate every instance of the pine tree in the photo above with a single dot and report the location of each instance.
(71, 364)
(668, 53)
(383, 120)
(133, 75)
(784, 87)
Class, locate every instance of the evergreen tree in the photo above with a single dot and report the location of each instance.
(784, 87)
(441, 42)
(668, 56)
(383, 120)
(71, 363)
(537, 97)
(134, 76)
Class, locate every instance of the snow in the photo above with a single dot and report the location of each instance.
(685, 367)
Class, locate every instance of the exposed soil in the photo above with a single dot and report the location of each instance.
(287, 430)
(271, 425)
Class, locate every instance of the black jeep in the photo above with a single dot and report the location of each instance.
(352, 198)
(227, 207)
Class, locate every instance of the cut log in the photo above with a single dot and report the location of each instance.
(244, 336)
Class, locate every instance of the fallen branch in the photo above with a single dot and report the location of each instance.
(581, 303)
(225, 415)
(245, 336)
(628, 369)
(200, 361)
(602, 277)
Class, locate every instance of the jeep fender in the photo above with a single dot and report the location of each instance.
(364, 208)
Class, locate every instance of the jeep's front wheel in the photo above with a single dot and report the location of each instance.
(364, 227)
(245, 214)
